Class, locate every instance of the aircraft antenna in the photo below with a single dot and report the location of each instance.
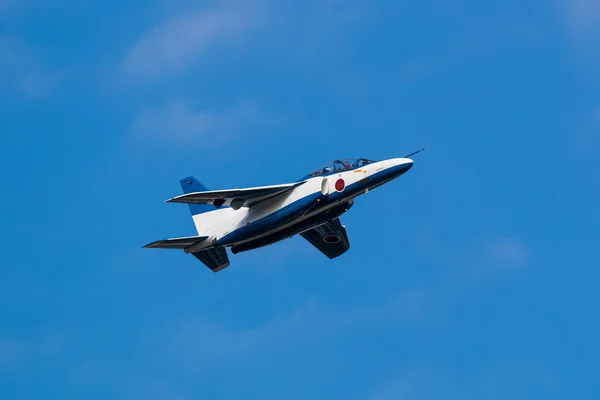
(413, 153)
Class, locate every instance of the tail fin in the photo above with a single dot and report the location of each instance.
(191, 185)
(215, 258)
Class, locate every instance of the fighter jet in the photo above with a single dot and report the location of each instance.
(246, 219)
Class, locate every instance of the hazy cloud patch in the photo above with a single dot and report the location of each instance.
(178, 122)
(11, 352)
(21, 71)
(186, 38)
(14, 352)
(588, 136)
(583, 18)
(198, 343)
(6, 6)
(493, 379)
(182, 39)
(395, 390)
(583, 26)
(595, 128)
(165, 391)
(507, 252)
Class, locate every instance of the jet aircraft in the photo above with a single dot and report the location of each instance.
(246, 219)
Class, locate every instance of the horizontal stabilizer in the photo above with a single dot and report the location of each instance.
(177, 243)
(235, 198)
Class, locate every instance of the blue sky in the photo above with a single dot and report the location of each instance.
(473, 276)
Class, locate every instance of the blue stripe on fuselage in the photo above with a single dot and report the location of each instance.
(271, 221)
(374, 180)
(294, 229)
(297, 208)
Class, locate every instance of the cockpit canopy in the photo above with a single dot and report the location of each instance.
(343, 164)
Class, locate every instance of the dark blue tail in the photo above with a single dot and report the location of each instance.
(191, 185)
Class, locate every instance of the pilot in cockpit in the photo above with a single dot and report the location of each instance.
(362, 162)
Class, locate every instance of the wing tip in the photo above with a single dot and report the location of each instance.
(176, 199)
(221, 267)
(175, 243)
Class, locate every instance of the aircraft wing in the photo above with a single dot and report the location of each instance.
(236, 198)
(177, 243)
(214, 258)
(330, 239)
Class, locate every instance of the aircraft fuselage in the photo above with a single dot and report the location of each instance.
(316, 201)
(249, 218)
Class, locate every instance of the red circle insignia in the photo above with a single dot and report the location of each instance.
(340, 185)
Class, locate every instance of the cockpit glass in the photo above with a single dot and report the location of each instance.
(342, 164)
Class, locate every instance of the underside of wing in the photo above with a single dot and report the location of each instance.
(177, 243)
(216, 258)
(236, 198)
(330, 239)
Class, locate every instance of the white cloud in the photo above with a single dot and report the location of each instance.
(5, 7)
(589, 135)
(596, 122)
(200, 340)
(395, 390)
(177, 121)
(164, 391)
(496, 378)
(198, 343)
(15, 351)
(20, 69)
(182, 39)
(583, 26)
(507, 252)
(11, 352)
(583, 18)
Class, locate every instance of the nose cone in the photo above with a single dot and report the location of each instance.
(399, 166)
(403, 163)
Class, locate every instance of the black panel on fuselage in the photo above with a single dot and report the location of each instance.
(295, 229)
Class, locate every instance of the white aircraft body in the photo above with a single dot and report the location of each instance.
(246, 219)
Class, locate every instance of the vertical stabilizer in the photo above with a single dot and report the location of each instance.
(205, 216)
(216, 258)
(191, 185)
